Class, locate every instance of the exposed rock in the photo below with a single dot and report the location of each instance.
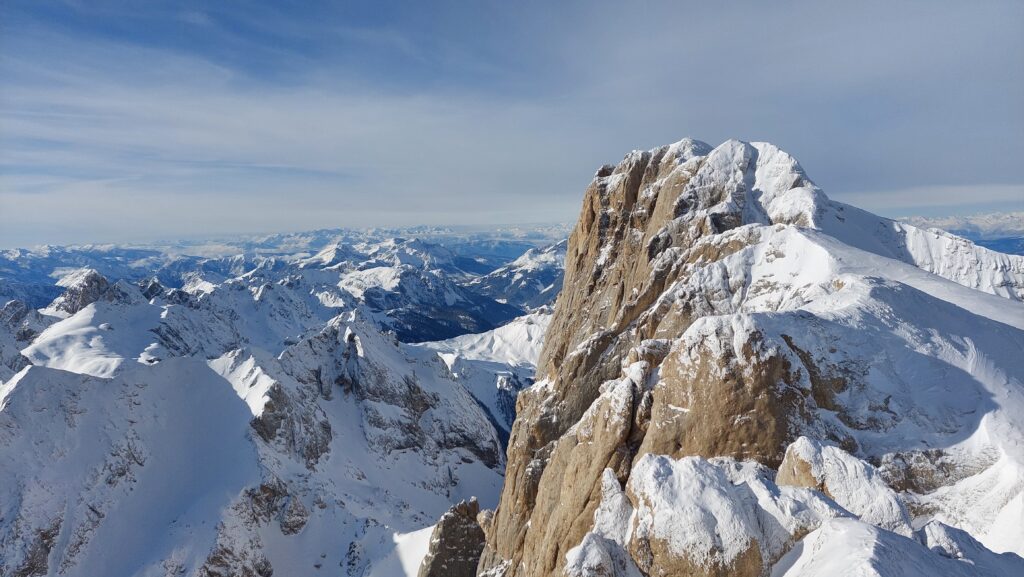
(81, 290)
(455, 543)
(696, 320)
(925, 471)
(695, 517)
(36, 560)
(151, 288)
(21, 322)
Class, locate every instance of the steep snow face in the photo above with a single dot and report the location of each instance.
(118, 476)
(515, 343)
(767, 186)
(494, 366)
(122, 325)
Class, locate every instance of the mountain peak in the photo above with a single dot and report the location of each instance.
(716, 306)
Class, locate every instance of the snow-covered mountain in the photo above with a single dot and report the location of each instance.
(530, 281)
(30, 274)
(421, 305)
(742, 377)
(260, 417)
(239, 464)
(121, 456)
(739, 377)
(494, 366)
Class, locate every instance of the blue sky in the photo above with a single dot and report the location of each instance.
(127, 121)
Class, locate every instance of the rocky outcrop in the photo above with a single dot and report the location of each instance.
(455, 543)
(86, 286)
(81, 290)
(19, 325)
(698, 320)
(855, 485)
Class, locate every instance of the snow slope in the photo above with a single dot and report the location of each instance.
(850, 548)
(159, 450)
(317, 441)
(926, 328)
(494, 366)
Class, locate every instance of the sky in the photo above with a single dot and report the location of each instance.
(130, 121)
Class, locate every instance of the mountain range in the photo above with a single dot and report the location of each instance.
(720, 371)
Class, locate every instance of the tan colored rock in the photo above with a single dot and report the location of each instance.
(797, 472)
(643, 264)
(608, 285)
(656, 560)
(455, 543)
(737, 404)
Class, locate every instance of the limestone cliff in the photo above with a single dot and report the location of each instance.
(698, 320)
(455, 543)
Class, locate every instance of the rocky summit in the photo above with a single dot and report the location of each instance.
(740, 370)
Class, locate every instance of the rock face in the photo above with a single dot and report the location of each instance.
(717, 305)
(19, 324)
(855, 485)
(81, 290)
(455, 544)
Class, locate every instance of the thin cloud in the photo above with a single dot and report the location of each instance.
(289, 120)
(196, 18)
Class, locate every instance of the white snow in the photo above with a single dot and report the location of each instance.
(923, 329)
(853, 484)
(851, 548)
(137, 436)
(713, 511)
(406, 557)
(978, 226)
(160, 449)
(518, 342)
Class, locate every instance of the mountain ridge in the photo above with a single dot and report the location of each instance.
(717, 305)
